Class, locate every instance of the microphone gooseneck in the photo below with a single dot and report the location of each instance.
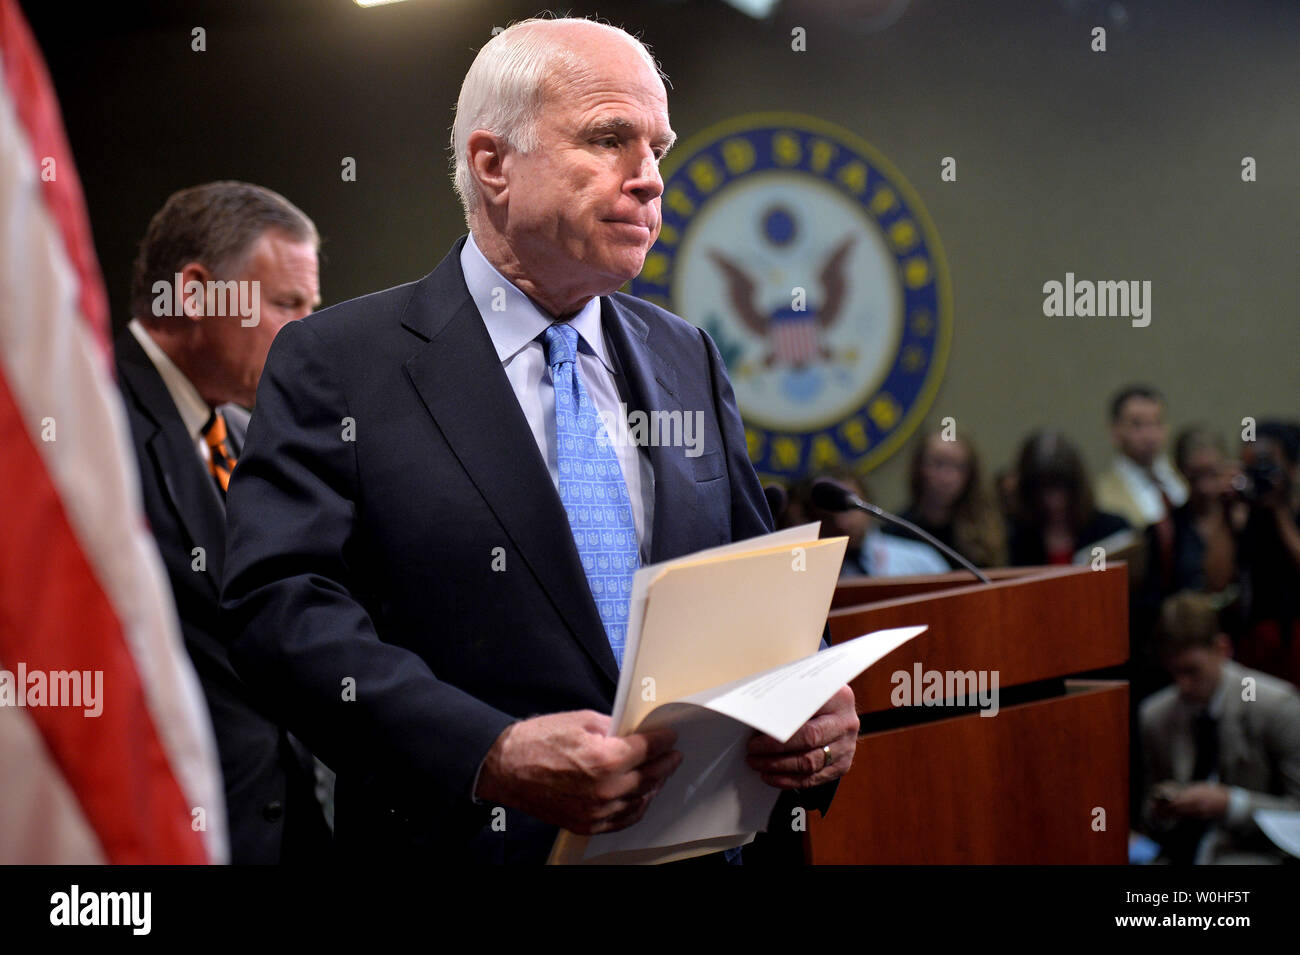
(829, 496)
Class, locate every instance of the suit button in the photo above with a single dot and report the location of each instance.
(272, 811)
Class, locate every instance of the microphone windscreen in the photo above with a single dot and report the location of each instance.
(829, 496)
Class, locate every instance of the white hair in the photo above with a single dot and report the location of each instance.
(506, 86)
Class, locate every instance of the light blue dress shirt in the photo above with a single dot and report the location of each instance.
(516, 325)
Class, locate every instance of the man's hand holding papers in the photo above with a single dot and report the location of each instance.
(567, 770)
(821, 750)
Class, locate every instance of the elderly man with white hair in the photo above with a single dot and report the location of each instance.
(422, 587)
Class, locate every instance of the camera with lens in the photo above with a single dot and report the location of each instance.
(1260, 478)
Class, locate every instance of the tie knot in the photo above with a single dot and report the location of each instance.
(561, 343)
(215, 430)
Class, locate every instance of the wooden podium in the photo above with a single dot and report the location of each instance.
(937, 784)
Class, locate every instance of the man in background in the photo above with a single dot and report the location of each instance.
(1140, 485)
(1221, 743)
(222, 268)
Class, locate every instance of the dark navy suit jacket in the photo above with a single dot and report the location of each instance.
(388, 473)
(270, 802)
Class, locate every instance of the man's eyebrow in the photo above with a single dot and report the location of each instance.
(614, 124)
(618, 125)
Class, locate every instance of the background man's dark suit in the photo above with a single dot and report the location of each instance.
(370, 556)
(265, 783)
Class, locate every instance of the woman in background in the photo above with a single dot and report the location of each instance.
(1203, 556)
(951, 501)
(1054, 516)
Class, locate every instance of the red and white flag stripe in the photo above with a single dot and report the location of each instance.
(795, 340)
(81, 584)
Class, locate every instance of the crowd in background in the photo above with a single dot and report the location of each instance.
(1211, 537)
(1206, 520)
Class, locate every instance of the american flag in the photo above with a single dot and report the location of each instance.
(795, 338)
(81, 584)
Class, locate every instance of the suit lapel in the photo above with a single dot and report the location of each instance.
(190, 490)
(1233, 744)
(461, 382)
(652, 386)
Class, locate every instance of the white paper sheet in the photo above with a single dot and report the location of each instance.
(1282, 827)
(714, 792)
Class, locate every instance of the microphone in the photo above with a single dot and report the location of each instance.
(776, 501)
(829, 496)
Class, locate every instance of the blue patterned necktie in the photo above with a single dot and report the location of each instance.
(592, 489)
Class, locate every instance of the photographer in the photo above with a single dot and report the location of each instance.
(1269, 550)
(1202, 555)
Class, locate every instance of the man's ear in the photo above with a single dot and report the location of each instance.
(194, 283)
(487, 154)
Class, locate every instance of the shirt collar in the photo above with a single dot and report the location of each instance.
(193, 409)
(1162, 473)
(520, 321)
(1130, 468)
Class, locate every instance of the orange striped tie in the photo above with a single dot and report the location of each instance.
(221, 459)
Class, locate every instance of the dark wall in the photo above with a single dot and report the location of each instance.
(1123, 165)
